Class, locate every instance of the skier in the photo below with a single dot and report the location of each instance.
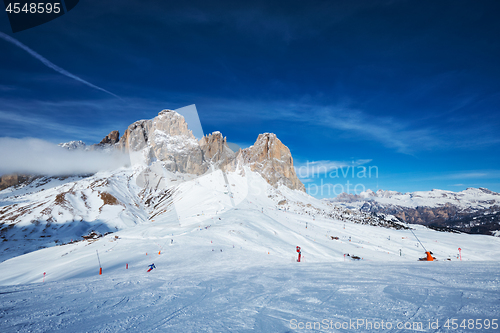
(151, 267)
(299, 252)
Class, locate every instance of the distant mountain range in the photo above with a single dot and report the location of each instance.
(474, 210)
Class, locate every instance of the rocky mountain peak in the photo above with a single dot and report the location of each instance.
(273, 160)
(215, 149)
(111, 138)
(214, 144)
(171, 123)
(168, 139)
(164, 138)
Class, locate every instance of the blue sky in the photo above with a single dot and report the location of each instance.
(411, 88)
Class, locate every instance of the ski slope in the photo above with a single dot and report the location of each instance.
(224, 248)
(231, 295)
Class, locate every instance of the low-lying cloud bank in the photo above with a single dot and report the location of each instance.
(39, 157)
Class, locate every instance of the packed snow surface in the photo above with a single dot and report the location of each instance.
(230, 295)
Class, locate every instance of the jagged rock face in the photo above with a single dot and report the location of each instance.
(165, 138)
(273, 160)
(215, 150)
(111, 138)
(135, 137)
(106, 144)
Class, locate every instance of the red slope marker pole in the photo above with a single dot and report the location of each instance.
(43, 277)
(100, 268)
(460, 253)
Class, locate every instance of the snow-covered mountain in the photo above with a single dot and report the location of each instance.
(474, 210)
(72, 145)
(176, 181)
(172, 176)
(106, 144)
(221, 228)
(165, 158)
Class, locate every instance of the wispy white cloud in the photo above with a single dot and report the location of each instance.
(473, 175)
(51, 65)
(6, 88)
(466, 175)
(404, 137)
(407, 136)
(34, 156)
(389, 131)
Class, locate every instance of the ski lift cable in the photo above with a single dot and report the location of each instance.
(98, 258)
(418, 239)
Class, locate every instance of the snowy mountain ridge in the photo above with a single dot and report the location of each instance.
(471, 198)
(474, 210)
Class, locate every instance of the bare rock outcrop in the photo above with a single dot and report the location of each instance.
(111, 138)
(216, 151)
(12, 180)
(273, 160)
(166, 138)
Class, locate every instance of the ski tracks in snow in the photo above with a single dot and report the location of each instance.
(265, 298)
